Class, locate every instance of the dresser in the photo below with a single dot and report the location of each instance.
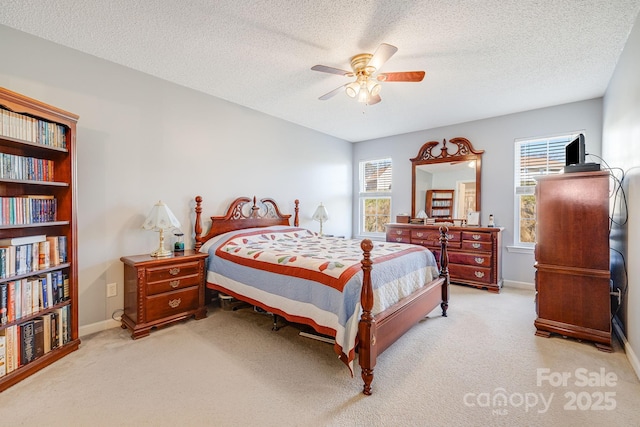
(572, 257)
(161, 291)
(474, 252)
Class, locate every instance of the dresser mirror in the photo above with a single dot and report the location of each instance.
(442, 167)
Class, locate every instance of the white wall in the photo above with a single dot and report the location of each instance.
(621, 149)
(496, 137)
(141, 139)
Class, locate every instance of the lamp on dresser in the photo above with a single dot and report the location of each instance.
(160, 219)
(321, 215)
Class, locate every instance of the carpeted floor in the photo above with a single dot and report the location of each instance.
(480, 366)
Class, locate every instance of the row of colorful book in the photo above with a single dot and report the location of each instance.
(28, 209)
(26, 297)
(31, 129)
(13, 166)
(24, 255)
(23, 343)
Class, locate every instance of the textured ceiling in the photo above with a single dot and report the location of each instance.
(483, 58)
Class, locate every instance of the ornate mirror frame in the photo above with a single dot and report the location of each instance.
(434, 152)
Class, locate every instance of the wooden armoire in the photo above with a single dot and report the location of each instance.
(572, 257)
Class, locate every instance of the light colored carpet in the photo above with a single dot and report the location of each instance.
(230, 369)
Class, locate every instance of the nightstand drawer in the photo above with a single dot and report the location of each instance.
(180, 282)
(173, 271)
(171, 303)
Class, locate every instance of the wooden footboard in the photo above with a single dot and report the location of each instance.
(377, 333)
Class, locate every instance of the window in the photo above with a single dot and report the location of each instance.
(375, 196)
(534, 157)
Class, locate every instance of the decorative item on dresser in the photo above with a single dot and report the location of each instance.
(572, 257)
(38, 225)
(474, 252)
(161, 291)
(249, 264)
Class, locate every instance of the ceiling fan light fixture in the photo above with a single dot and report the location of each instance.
(364, 96)
(352, 89)
(373, 88)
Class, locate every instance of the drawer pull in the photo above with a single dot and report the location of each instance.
(419, 234)
(175, 302)
(398, 232)
(478, 260)
(479, 274)
(174, 283)
(174, 271)
(476, 245)
(398, 239)
(476, 237)
(449, 236)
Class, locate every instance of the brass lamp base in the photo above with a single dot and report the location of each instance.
(161, 252)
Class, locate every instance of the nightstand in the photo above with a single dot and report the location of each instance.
(161, 291)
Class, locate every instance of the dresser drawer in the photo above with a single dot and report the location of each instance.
(432, 238)
(466, 272)
(172, 303)
(475, 260)
(399, 235)
(477, 246)
(179, 282)
(173, 271)
(476, 236)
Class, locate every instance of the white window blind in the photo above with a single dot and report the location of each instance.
(375, 176)
(539, 157)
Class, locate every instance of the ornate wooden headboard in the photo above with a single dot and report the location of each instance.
(264, 213)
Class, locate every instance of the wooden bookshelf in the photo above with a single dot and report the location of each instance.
(439, 203)
(38, 197)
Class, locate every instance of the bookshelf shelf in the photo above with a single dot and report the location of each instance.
(439, 203)
(38, 158)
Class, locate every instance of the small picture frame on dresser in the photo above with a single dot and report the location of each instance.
(473, 218)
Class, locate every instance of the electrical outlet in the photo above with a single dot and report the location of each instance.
(112, 289)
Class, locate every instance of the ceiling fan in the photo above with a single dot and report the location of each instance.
(365, 66)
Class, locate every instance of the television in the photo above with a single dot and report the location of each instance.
(575, 151)
(575, 154)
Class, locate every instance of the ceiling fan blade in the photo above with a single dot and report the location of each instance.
(405, 76)
(382, 55)
(331, 70)
(332, 93)
(374, 100)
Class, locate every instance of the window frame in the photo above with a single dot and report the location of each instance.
(364, 194)
(552, 164)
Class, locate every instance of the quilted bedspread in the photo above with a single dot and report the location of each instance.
(314, 280)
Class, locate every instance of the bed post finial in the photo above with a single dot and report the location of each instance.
(444, 268)
(296, 218)
(198, 226)
(367, 325)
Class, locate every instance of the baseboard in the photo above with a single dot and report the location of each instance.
(97, 327)
(518, 285)
(631, 355)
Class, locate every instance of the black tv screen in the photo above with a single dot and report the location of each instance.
(575, 151)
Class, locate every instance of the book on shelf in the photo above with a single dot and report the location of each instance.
(11, 346)
(4, 304)
(44, 255)
(46, 329)
(38, 337)
(54, 250)
(3, 353)
(16, 241)
(27, 343)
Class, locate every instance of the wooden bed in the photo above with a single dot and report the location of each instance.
(375, 332)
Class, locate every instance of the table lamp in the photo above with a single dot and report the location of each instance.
(160, 219)
(320, 215)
